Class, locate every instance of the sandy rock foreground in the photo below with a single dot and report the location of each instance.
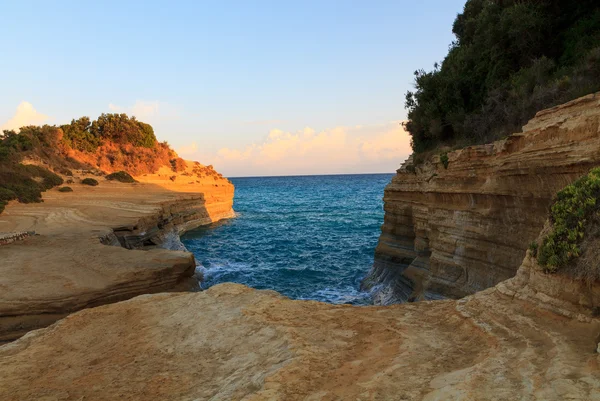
(232, 342)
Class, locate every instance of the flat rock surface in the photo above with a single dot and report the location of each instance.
(231, 342)
(65, 267)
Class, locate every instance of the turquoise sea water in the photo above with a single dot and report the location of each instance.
(309, 237)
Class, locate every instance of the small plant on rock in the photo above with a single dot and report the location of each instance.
(574, 207)
(89, 181)
(444, 160)
(121, 176)
(533, 247)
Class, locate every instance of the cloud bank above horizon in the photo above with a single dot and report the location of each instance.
(375, 148)
(341, 150)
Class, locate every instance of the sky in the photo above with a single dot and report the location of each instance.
(252, 87)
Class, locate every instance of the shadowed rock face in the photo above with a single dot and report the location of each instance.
(452, 232)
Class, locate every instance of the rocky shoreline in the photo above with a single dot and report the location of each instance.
(69, 265)
(232, 342)
(94, 296)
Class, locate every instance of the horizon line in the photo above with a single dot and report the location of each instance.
(307, 175)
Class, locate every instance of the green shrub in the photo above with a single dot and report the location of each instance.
(65, 189)
(178, 164)
(48, 178)
(25, 182)
(575, 206)
(7, 195)
(444, 160)
(89, 181)
(121, 129)
(78, 135)
(121, 176)
(66, 171)
(533, 247)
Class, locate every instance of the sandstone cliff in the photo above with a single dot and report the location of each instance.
(68, 265)
(449, 232)
(231, 343)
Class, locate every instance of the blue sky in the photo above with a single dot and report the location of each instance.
(219, 77)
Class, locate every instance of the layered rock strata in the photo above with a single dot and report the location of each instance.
(7, 238)
(69, 266)
(231, 343)
(452, 230)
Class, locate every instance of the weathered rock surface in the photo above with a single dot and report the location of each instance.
(68, 265)
(233, 343)
(452, 232)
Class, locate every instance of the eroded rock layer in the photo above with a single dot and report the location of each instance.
(231, 343)
(68, 265)
(449, 232)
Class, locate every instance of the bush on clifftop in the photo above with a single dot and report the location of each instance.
(113, 142)
(510, 59)
(85, 135)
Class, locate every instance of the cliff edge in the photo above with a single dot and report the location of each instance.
(460, 222)
(102, 244)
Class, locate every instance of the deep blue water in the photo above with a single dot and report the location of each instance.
(310, 237)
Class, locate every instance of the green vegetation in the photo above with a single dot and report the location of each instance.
(178, 164)
(25, 183)
(89, 181)
(30, 138)
(65, 189)
(510, 59)
(533, 247)
(575, 208)
(112, 142)
(444, 159)
(85, 135)
(5, 196)
(121, 176)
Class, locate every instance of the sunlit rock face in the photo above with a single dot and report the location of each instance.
(527, 338)
(449, 232)
(103, 244)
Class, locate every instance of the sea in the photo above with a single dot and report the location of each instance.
(306, 237)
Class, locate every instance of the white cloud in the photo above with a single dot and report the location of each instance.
(146, 110)
(26, 114)
(367, 148)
